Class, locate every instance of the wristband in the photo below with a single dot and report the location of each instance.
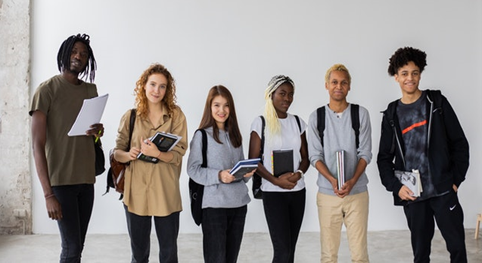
(48, 196)
(301, 172)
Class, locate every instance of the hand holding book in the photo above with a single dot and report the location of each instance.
(412, 181)
(164, 143)
(244, 167)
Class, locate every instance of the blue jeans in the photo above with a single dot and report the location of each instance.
(222, 233)
(76, 202)
(167, 230)
(284, 214)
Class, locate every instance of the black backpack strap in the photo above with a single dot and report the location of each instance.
(298, 121)
(131, 126)
(261, 151)
(320, 113)
(390, 113)
(256, 187)
(436, 97)
(204, 148)
(132, 120)
(355, 122)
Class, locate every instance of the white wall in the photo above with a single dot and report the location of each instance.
(242, 44)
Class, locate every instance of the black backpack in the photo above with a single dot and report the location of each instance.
(257, 193)
(355, 122)
(196, 191)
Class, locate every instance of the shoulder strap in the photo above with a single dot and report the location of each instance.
(320, 113)
(298, 121)
(131, 126)
(204, 148)
(436, 96)
(389, 113)
(263, 124)
(355, 122)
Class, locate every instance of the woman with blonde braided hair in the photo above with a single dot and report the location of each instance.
(284, 194)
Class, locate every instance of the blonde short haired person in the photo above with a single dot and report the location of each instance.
(347, 204)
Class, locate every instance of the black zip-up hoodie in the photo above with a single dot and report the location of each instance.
(448, 148)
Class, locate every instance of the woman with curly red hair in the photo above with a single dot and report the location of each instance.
(151, 190)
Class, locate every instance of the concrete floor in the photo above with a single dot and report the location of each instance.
(383, 246)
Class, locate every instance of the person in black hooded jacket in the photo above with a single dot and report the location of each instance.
(421, 133)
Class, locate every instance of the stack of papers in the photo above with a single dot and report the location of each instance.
(90, 113)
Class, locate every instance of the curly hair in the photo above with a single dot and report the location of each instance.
(65, 51)
(169, 100)
(231, 125)
(403, 56)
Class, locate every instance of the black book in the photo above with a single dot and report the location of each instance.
(282, 162)
(164, 142)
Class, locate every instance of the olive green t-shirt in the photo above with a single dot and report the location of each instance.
(70, 159)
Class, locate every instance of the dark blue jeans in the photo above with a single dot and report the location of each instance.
(284, 214)
(448, 213)
(76, 202)
(222, 233)
(167, 230)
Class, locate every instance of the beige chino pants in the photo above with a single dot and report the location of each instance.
(333, 212)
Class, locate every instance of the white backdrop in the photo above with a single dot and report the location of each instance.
(242, 44)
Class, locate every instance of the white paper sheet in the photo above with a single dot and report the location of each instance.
(90, 113)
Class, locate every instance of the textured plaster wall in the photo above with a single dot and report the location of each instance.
(15, 178)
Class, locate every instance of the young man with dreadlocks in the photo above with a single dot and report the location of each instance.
(421, 132)
(341, 200)
(66, 165)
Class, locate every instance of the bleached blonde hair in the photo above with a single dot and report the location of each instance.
(337, 67)
(272, 123)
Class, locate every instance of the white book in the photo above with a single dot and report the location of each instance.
(340, 168)
(411, 180)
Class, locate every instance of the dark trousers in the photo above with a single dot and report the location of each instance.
(284, 214)
(450, 220)
(222, 233)
(76, 202)
(167, 230)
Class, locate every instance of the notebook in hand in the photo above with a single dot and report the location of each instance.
(340, 168)
(243, 167)
(164, 142)
(282, 162)
(411, 180)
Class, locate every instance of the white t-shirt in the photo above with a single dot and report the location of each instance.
(290, 139)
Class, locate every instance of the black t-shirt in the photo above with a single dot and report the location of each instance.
(413, 122)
